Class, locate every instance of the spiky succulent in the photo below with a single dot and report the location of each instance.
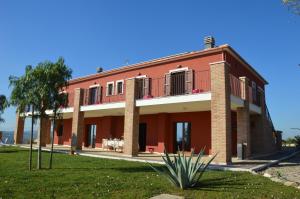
(182, 171)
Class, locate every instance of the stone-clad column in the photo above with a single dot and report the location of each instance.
(131, 120)
(19, 130)
(220, 112)
(243, 118)
(77, 121)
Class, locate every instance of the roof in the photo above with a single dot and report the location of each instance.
(166, 59)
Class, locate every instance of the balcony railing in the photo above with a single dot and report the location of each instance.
(188, 82)
(237, 89)
(171, 85)
(236, 86)
(255, 96)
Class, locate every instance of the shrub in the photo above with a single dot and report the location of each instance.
(182, 171)
(297, 140)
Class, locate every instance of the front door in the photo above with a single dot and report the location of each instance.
(142, 136)
(183, 136)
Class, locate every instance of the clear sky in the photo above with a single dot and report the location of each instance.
(89, 34)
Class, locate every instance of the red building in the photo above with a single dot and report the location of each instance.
(210, 98)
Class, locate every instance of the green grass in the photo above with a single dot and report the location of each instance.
(85, 177)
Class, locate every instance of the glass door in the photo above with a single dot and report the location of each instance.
(183, 136)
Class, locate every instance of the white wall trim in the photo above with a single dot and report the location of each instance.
(113, 88)
(95, 85)
(174, 99)
(237, 101)
(141, 76)
(178, 70)
(116, 90)
(103, 106)
(254, 108)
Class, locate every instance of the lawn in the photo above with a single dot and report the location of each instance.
(85, 177)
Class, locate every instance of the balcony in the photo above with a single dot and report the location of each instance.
(237, 90)
(177, 84)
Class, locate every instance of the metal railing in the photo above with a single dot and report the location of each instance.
(176, 85)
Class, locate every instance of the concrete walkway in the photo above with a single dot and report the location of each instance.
(252, 165)
(287, 171)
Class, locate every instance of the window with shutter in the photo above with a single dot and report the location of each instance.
(86, 96)
(167, 84)
(189, 81)
(99, 94)
(93, 95)
(147, 86)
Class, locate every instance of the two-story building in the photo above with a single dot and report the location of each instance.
(209, 98)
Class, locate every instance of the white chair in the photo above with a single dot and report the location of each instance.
(104, 144)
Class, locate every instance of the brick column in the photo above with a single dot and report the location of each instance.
(162, 121)
(220, 112)
(77, 120)
(19, 130)
(243, 118)
(45, 131)
(267, 136)
(131, 120)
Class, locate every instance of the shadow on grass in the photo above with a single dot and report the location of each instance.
(222, 184)
(121, 169)
(9, 151)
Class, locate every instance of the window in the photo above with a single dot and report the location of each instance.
(110, 88)
(93, 95)
(120, 87)
(183, 136)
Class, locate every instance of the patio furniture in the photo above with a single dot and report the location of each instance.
(115, 144)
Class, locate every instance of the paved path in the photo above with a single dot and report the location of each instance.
(287, 170)
(237, 165)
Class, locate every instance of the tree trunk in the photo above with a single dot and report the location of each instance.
(52, 141)
(31, 139)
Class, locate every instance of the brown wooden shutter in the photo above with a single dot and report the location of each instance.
(86, 96)
(99, 93)
(146, 86)
(167, 84)
(189, 81)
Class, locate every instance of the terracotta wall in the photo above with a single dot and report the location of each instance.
(200, 65)
(160, 130)
(239, 70)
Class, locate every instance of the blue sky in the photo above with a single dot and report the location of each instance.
(89, 34)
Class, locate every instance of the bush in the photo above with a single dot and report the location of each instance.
(182, 171)
(297, 140)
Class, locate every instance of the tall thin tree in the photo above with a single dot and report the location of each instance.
(23, 96)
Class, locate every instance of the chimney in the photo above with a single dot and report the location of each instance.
(99, 69)
(209, 42)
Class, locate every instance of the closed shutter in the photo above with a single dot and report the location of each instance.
(98, 95)
(167, 88)
(189, 81)
(86, 96)
(146, 86)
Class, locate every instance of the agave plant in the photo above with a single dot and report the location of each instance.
(183, 172)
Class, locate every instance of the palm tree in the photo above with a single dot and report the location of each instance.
(293, 5)
(3, 105)
(23, 96)
(41, 87)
